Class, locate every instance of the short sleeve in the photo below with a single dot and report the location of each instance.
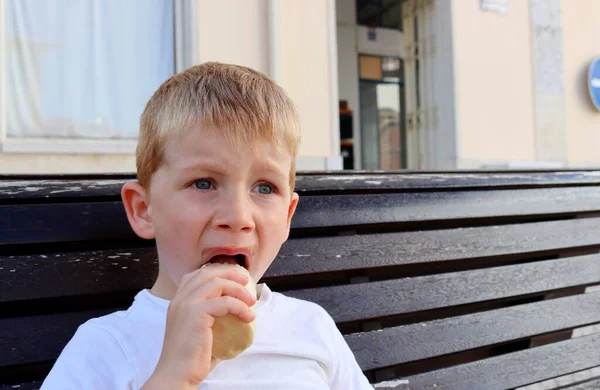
(93, 359)
(345, 372)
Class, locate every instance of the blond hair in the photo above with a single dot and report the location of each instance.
(242, 104)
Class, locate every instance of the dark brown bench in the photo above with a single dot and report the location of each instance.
(465, 280)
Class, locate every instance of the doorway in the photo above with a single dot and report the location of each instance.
(382, 117)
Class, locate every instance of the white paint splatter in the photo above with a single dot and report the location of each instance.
(67, 189)
(107, 183)
(302, 255)
(391, 384)
(351, 178)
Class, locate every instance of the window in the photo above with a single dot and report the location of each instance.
(379, 13)
(82, 69)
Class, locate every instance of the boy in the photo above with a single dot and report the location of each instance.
(215, 183)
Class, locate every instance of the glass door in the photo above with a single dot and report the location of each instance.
(383, 135)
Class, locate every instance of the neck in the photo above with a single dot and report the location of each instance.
(163, 287)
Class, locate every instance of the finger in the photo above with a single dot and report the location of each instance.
(218, 287)
(191, 281)
(221, 306)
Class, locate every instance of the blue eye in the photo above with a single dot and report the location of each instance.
(203, 184)
(265, 189)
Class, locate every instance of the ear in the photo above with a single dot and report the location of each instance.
(138, 209)
(291, 211)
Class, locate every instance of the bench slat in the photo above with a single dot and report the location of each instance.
(591, 385)
(38, 339)
(341, 210)
(110, 185)
(24, 224)
(23, 386)
(326, 254)
(429, 339)
(516, 369)
(37, 223)
(352, 181)
(79, 273)
(400, 296)
(74, 189)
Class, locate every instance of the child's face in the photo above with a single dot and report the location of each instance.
(209, 198)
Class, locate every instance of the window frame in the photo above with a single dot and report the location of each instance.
(185, 55)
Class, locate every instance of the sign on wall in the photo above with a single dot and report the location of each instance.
(594, 82)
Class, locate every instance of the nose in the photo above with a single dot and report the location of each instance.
(235, 213)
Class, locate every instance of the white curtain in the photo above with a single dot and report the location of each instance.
(84, 68)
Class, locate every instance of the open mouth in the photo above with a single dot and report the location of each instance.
(238, 259)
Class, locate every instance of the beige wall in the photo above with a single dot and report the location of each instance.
(308, 76)
(493, 84)
(234, 31)
(238, 31)
(581, 32)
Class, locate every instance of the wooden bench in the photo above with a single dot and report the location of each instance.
(465, 280)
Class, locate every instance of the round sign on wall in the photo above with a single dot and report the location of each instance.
(594, 82)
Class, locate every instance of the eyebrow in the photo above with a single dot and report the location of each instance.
(205, 166)
(269, 167)
(215, 168)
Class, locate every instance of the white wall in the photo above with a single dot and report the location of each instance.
(66, 163)
(387, 42)
(548, 81)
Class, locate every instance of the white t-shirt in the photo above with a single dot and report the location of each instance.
(296, 346)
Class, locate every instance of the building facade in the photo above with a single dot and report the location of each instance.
(74, 79)
(486, 84)
(379, 84)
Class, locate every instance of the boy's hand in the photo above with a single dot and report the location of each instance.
(202, 296)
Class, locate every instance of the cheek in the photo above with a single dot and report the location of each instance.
(274, 227)
(177, 235)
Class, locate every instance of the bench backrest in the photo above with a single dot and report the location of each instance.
(475, 279)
